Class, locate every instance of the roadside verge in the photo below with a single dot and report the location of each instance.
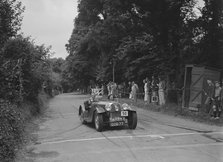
(173, 110)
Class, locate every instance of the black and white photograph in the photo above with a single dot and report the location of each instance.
(111, 80)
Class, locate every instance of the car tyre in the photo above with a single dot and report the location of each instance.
(81, 115)
(132, 122)
(98, 121)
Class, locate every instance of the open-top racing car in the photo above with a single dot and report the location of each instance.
(107, 113)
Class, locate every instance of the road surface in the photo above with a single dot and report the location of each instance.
(157, 138)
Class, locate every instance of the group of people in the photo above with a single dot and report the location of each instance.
(112, 90)
(154, 90)
(214, 101)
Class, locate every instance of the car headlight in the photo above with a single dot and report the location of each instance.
(108, 108)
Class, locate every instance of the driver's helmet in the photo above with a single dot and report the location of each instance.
(91, 99)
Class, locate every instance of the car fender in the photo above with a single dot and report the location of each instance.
(132, 110)
(100, 110)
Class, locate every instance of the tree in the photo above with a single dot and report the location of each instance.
(211, 24)
(10, 19)
(24, 69)
(144, 37)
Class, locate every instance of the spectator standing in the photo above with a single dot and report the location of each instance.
(103, 89)
(130, 90)
(113, 90)
(217, 100)
(109, 89)
(146, 91)
(209, 93)
(149, 89)
(135, 88)
(161, 86)
(123, 90)
(154, 89)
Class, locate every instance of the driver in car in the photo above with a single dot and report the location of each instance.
(89, 102)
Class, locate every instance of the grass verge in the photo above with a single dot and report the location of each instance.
(14, 120)
(174, 110)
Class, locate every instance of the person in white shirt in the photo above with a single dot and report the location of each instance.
(146, 91)
(135, 88)
(161, 86)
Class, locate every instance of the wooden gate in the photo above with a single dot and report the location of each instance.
(195, 82)
(196, 88)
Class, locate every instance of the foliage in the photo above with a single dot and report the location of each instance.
(57, 64)
(142, 37)
(24, 69)
(11, 131)
(137, 37)
(140, 54)
(211, 26)
(10, 19)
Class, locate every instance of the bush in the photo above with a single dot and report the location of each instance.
(11, 131)
(42, 101)
(13, 120)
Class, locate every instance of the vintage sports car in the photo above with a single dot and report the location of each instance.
(107, 113)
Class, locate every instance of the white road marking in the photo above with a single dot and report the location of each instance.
(100, 138)
(167, 147)
(159, 136)
(192, 133)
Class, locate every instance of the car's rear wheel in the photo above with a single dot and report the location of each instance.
(132, 122)
(81, 115)
(98, 121)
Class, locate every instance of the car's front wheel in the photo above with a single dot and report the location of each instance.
(132, 122)
(98, 121)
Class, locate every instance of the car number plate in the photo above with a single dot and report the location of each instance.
(124, 113)
(115, 124)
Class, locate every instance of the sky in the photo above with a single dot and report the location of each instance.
(51, 22)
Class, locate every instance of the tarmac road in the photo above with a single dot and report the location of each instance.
(157, 138)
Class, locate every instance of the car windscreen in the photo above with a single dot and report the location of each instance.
(103, 106)
(116, 106)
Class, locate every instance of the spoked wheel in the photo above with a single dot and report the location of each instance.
(81, 115)
(132, 122)
(98, 121)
